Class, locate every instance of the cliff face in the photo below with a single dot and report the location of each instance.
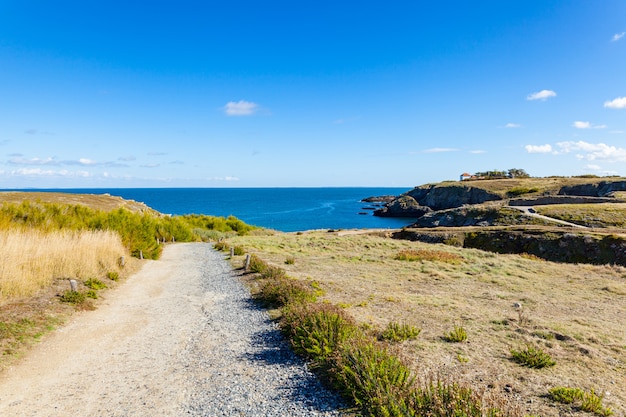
(600, 189)
(424, 199)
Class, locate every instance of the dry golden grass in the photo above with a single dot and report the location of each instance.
(32, 260)
(575, 313)
(592, 215)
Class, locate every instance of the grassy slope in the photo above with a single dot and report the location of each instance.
(549, 185)
(569, 311)
(95, 201)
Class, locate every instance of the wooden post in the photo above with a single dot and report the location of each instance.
(232, 252)
(173, 239)
(247, 265)
(122, 261)
(73, 285)
(157, 239)
(140, 254)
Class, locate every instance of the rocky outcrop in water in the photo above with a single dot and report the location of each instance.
(403, 206)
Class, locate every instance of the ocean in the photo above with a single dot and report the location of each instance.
(283, 209)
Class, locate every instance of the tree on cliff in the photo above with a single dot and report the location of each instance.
(517, 173)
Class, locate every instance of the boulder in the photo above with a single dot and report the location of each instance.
(403, 206)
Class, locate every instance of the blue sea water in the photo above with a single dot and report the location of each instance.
(284, 209)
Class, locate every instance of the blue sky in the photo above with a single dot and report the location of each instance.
(284, 93)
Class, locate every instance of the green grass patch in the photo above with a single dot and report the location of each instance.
(398, 332)
(457, 335)
(586, 401)
(95, 284)
(532, 357)
(73, 297)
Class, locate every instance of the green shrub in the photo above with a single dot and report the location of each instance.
(282, 290)
(378, 381)
(73, 297)
(588, 401)
(91, 294)
(396, 332)
(456, 336)
(317, 330)
(257, 264)
(532, 357)
(449, 400)
(95, 284)
(239, 250)
(517, 191)
(113, 276)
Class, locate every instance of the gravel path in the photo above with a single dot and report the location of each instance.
(180, 338)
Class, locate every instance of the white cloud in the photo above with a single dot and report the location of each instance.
(512, 125)
(593, 151)
(86, 161)
(587, 125)
(617, 132)
(617, 36)
(33, 161)
(538, 148)
(478, 151)
(38, 172)
(593, 167)
(541, 95)
(617, 103)
(240, 108)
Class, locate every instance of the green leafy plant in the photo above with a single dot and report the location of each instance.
(396, 332)
(588, 401)
(283, 290)
(113, 276)
(456, 336)
(73, 297)
(532, 357)
(317, 330)
(95, 284)
(91, 294)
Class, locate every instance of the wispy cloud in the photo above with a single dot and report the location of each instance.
(128, 158)
(617, 103)
(240, 108)
(587, 125)
(150, 165)
(541, 95)
(227, 178)
(617, 36)
(37, 132)
(593, 151)
(538, 148)
(18, 160)
(39, 173)
(478, 151)
(512, 125)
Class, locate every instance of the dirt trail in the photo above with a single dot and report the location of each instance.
(143, 351)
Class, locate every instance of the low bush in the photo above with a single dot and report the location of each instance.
(588, 401)
(282, 290)
(95, 284)
(239, 251)
(456, 336)
(378, 381)
(532, 357)
(317, 330)
(220, 246)
(73, 297)
(113, 276)
(428, 255)
(396, 332)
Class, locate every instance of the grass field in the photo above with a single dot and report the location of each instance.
(505, 303)
(590, 215)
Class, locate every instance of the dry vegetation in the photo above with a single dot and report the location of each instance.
(95, 201)
(505, 303)
(590, 215)
(32, 260)
(542, 185)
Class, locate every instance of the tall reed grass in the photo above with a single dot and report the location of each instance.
(32, 259)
